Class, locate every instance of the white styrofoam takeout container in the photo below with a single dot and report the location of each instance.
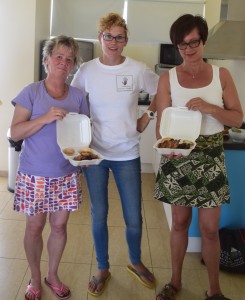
(179, 123)
(74, 131)
(237, 135)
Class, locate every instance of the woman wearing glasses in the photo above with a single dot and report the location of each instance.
(199, 179)
(113, 83)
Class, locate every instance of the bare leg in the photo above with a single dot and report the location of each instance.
(56, 244)
(208, 222)
(181, 219)
(33, 244)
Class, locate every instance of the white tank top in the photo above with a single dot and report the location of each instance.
(211, 93)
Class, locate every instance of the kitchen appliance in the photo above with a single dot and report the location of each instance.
(169, 58)
(169, 55)
(226, 40)
(144, 98)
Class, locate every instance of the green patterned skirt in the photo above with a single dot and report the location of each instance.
(197, 180)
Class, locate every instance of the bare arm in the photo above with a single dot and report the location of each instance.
(163, 99)
(231, 115)
(22, 127)
(144, 120)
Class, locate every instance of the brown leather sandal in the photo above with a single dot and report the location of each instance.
(215, 297)
(167, 293)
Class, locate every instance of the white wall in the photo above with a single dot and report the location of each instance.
(236, 67)
(212, 12)
(236, 11)
(22, 24)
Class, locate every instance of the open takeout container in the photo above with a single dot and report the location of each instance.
(74, 133)
(179, 123)
(237, 135)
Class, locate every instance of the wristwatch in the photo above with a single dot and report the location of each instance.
(150, 114)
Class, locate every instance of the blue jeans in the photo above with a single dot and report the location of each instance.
(127, 176)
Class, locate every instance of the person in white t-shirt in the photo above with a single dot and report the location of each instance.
(112, 83)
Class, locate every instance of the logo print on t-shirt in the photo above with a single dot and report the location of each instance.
(124, 83)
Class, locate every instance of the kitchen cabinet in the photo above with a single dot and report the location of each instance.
(147, 140)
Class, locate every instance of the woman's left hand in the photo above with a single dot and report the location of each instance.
(199, 104)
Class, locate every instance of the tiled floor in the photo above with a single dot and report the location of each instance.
(79, 264)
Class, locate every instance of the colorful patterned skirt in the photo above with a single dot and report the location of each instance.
(197, 180)
(34, 194)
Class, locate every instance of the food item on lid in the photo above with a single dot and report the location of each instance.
(69, 151)
(86, 154)
(175, 143)
(85, 150)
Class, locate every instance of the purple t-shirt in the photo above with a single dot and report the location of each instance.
(40, 154)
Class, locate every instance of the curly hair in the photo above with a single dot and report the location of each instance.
(110, 20)
(61, 40)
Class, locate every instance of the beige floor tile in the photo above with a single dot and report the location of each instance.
(193, 261)
(79, 245)
(11, 237)
(4, 199)
(148, 184)
(9, 214)
(11, 276)
(233, 285)
(159, 248)
(148, 178)
(154, 214)
(4, 184)
(82, 215)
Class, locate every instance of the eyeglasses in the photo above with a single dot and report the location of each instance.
(191, 44)
(118, 38)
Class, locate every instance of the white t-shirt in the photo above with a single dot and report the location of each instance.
(211, 93)
(113, 93)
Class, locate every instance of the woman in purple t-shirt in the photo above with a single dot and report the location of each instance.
(46, 182)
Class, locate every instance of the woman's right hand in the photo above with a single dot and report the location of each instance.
(22, 127)
(54, 114)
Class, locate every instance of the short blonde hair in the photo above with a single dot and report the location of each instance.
(61, 40)
(110, 20)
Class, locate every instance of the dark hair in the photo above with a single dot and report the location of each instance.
(184, 25)
(61, 40)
